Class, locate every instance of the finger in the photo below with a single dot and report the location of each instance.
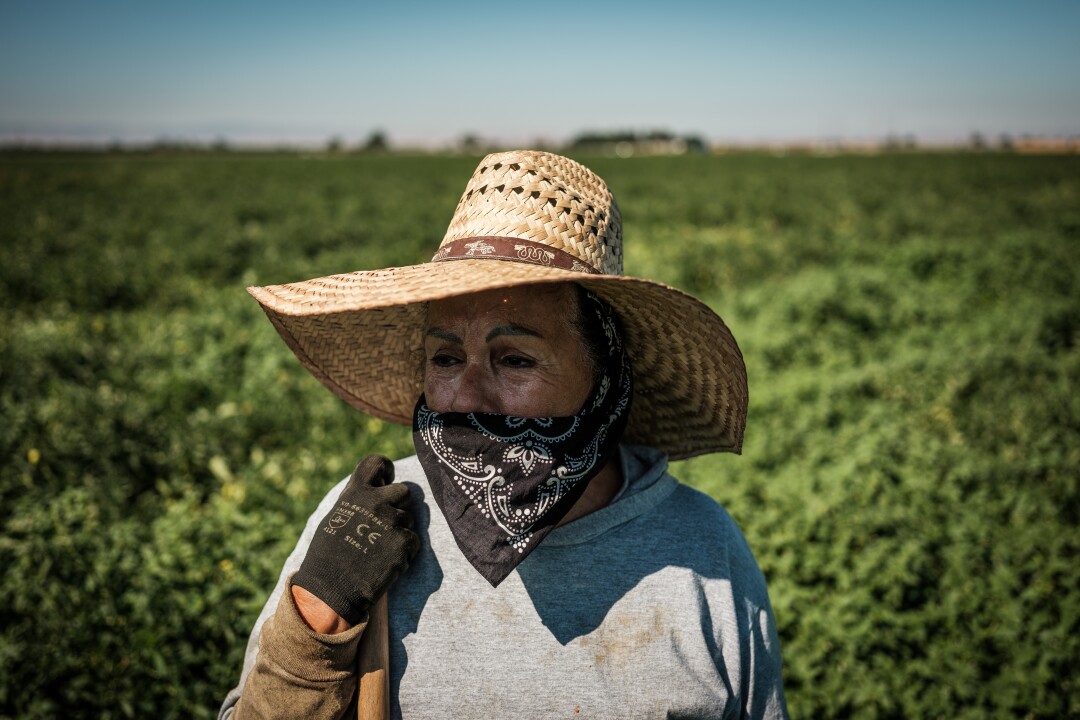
(396, 495)
(402, 518)
(374, 470)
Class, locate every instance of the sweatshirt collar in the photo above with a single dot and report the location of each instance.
(646, 483)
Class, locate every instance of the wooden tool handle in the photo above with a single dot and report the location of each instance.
(374, 661)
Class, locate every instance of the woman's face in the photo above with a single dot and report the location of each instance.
(511, 351)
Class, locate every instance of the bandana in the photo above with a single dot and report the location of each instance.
(502, 482)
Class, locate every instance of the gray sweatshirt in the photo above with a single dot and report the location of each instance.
(650, 607)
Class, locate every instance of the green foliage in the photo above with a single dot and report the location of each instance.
(909, 481)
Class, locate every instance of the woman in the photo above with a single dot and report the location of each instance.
(539, 560)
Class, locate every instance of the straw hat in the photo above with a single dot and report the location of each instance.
(526, 217)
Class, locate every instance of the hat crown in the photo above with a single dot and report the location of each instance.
(543, 198)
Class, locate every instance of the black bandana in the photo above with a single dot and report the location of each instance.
(504, 482)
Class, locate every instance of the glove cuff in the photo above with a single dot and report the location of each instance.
(324, 584)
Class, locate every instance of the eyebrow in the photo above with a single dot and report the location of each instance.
(510, 330)
(494, 333)
(444, 335)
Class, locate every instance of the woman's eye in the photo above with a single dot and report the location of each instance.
(443, 360)
(517, 361)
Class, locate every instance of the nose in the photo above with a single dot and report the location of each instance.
(474, 391)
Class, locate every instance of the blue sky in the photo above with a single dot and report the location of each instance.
(513, 71)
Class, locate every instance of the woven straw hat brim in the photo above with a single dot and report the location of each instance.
(361, 335)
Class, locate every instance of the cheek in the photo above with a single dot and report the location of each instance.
(517, 394)
(437, 390)
(546, 396)
(577, 392)
(528, 398)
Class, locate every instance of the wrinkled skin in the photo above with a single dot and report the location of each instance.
(512, 351)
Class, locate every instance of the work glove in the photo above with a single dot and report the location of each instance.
(363, 544)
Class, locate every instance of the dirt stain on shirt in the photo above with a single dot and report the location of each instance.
(622, 636)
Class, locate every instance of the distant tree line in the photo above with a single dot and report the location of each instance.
(651, 142)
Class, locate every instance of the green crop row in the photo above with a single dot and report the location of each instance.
(910, 481)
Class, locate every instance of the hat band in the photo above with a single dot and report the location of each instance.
(513, 249)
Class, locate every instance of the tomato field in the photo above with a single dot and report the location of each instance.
(910, 480)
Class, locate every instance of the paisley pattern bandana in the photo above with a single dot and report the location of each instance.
(504, 482)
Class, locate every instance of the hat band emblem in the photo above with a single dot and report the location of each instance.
(512, 249)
